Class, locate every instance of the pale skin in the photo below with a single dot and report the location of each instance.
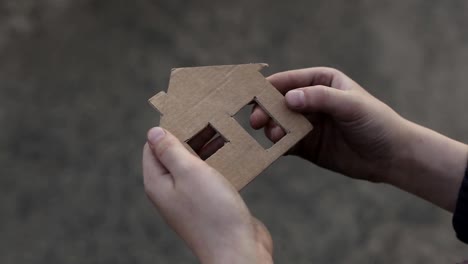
(354, 134)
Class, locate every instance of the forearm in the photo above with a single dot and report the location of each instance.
(432, 166)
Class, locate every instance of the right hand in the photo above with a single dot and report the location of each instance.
(354, 133)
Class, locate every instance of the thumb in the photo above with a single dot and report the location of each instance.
(340, 104)
(171, 153)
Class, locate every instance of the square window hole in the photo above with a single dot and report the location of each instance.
(207, 142)
(271, 126)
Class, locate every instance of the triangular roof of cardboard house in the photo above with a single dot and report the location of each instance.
(212, 95)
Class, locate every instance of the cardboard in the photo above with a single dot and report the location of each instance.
(199, 96)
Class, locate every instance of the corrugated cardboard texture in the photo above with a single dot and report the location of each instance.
(212, 95)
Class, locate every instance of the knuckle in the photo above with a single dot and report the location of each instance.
(325, 68)
(358, 102)
(186, 165)
(317, 94)
(330, 70)
(336, 72)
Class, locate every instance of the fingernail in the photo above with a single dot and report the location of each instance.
(155, 134)
(295, 98)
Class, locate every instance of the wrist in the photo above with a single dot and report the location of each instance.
(406, 154)
(238, 246)
(429, 165)
(400, 153)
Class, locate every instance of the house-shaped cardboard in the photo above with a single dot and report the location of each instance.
(212, 95)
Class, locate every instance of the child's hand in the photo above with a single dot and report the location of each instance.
(354, 133)
(200, 205)
(359, 136)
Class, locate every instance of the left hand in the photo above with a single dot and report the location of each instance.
(202, 207)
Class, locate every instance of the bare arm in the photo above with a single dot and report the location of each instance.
(431, 167)
(359, 136)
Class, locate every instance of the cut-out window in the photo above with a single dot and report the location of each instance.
(207, 142)
(270, 129)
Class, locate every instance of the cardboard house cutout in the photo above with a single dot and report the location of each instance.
(212, 95)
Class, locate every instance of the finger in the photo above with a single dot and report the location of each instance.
(274, 132)
(258, 118)
(288, 80)
(156, 178)
(171, 153)
(150, 161)
(201, 138)
(340, 104)
(210, 148)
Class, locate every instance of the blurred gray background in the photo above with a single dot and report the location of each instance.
(75, 77)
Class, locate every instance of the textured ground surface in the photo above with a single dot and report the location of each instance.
(75, 77)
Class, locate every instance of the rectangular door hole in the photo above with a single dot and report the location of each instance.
(207, 142)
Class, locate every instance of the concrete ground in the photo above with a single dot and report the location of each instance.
(75, 77)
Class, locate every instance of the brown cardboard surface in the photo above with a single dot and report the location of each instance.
(199, 96)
